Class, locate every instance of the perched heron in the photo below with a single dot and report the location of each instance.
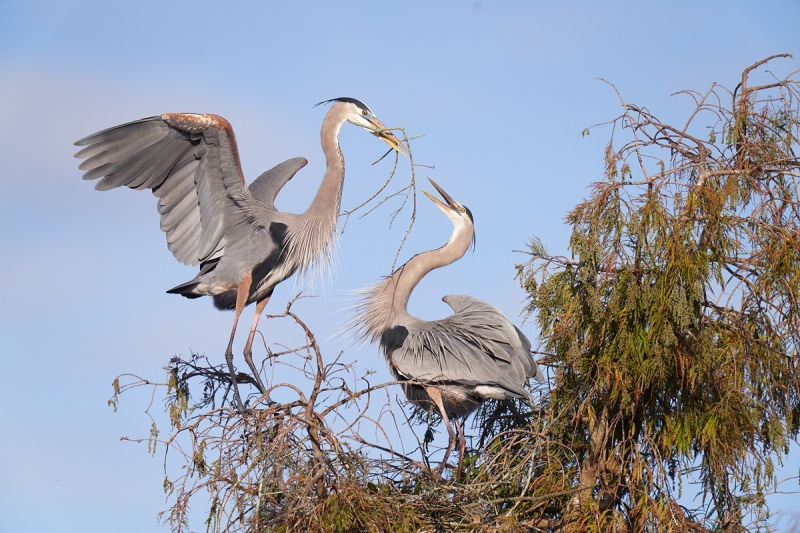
(454, 363)
(242, 243)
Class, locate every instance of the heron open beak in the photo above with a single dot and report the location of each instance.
(385, 135)
(451, 204)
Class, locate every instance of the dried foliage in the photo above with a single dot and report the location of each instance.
(672, 334)
(673, 329)
(309, 464)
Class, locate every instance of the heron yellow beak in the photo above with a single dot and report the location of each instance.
(451, 204)
(386, 136)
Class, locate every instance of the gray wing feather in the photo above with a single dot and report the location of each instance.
(266, 187)
(171, 198)
(105, 152)
(481, 314)
(531, 368)
(183, 248)
(176, 234)
(477, 345)
(195, 174)
(177, 186)
(212, 238)
(115, 133)
(178, 211)
(139, 165)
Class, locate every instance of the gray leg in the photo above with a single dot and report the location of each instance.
(242, 292)
(462, 446)
(436, 396)
(248, 348)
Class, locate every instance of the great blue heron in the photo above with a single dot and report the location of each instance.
(243, 244)
(454, 363)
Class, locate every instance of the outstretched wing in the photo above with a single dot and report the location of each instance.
(267, 186)
(190, 162)
(475, 346)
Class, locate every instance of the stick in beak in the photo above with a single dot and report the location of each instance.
(386, 136)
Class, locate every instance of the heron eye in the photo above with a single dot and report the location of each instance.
(364, 112)
(462, 209)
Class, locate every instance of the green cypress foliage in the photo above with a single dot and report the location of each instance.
(673, 328)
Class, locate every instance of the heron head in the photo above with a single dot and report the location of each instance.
(360, 114)
(459, 214)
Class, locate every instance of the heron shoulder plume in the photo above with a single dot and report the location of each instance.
(311, 244)
(375, 313)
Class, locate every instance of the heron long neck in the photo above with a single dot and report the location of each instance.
(386, 303)
(311, 240)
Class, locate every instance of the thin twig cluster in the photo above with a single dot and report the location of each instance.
(329, 457)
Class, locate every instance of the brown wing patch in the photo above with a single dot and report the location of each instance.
(194, 123)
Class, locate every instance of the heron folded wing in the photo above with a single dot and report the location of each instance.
(492, 323)
(444, 351)
(191, 163)
(531, 368)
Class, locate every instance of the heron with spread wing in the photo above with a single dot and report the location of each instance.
(455, 363)
(243, 245)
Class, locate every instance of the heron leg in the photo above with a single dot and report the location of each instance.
(462, 446)
(436, 396)
(248, 348)
(242, 292)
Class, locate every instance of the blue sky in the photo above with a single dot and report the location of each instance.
(500, 90)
